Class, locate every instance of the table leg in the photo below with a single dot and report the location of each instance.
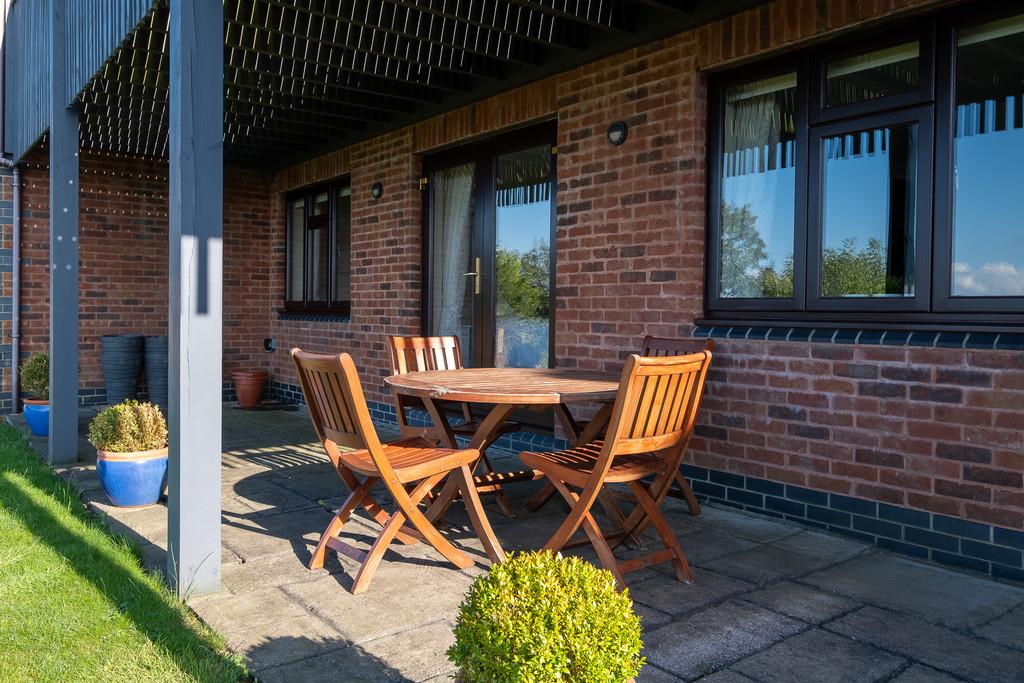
(485, 435)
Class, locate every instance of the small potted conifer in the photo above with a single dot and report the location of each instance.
(541, 617)
(35, 379)
(131, 452)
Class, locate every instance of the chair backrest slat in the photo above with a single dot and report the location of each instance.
(334, 398)
(659, 347)
(421, 354)
(657, 404)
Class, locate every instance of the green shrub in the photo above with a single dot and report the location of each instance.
(35, 376)
(539, 617)
(128, 427)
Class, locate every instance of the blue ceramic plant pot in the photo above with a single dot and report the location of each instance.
(37, 417)
(132, 479)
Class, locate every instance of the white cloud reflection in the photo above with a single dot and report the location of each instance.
(1000, 278)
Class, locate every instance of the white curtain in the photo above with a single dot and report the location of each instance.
(452, 209)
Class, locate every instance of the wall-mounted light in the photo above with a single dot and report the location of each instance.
(618, 131)
(377, 190)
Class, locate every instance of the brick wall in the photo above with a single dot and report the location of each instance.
(123, 257)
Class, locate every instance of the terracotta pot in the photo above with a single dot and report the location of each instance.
(249, 387)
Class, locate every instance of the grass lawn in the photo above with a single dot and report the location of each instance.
(75, 603)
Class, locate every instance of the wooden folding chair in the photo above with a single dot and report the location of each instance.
(652, 420)
(408, 468)
(659, 347)
(421, 354)
(653, 347)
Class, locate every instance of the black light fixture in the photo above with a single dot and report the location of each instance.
(377, 190)
(618, 131)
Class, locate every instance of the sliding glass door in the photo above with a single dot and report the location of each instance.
(489, 231)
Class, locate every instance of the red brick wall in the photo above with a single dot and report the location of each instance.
(123, 256)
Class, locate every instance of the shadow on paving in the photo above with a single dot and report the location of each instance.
(145, 606)
(298, 659)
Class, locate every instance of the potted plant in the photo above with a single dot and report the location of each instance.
(541, 617)
(249, 386)
(131, 452)
(35, 378)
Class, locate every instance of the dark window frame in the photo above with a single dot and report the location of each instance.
(333, 305)
(936, 33)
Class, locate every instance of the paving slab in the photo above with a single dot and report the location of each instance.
(936, 594)
(716, 637)
(299, 531)
(821, 657)
(751, 527)
(292, 639)
(707, 544)
(764, 564)
(418, 654)
(652, 674)
(403, 595)
(801, 602)
(964, 656)
(827, 547)
(229, 613)
(667, 594)
(919, 673)
(1006, 630)
(725, 676)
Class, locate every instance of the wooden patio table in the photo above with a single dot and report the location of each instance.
(506, 389)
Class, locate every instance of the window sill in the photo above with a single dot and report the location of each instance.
(826, 334)
(309, 316)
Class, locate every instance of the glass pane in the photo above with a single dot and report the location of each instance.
(342, 246)
(297, 211)
(321, 204)
(881, 73)
(451, 221)
(523, 258)
(869, 212)
(319, 263)
(758, 190)
(988, 204)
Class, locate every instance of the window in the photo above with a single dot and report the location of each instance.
(319, 233)
(874, 181)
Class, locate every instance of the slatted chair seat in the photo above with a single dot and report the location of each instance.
(409, 469)
(412, 459)
(651, 422)
(575, 465)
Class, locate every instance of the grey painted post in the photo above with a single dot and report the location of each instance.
(63, 444)
(196, 178)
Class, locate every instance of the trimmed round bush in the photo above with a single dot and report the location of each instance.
(540, 617)
(35, 376)
(128, 427)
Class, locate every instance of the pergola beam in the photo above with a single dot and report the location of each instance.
(63, 442)
(195, 220)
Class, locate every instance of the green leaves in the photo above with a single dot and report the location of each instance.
(35, 376)
(129, 427)
(539, 617)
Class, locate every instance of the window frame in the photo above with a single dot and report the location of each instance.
(922, 116)
(936, 33)
(333, 305)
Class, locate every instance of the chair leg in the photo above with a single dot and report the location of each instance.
(369, 566)
(660, 524)
(338, 521)
(477, 515)
(425, 528)
(504, 504)
(684, 486)
(594, 533)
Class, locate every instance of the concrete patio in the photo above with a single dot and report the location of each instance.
(772, 601)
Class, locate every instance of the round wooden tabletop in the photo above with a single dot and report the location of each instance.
(519, 386)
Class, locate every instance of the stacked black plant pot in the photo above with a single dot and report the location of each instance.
(156, 371)
(121, 357)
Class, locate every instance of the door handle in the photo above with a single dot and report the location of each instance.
(475, 274)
